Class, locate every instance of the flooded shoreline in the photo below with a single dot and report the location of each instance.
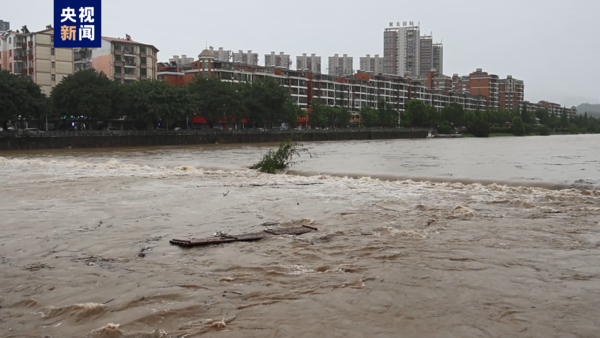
(394, 258)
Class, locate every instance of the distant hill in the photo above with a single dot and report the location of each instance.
(591, 109)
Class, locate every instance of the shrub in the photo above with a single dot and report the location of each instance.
(544, 130)
(479, 128)
(444, 128)
(280, 159)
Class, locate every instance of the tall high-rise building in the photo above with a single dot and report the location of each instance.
(310, 63)
(401, 50)
(426, 55)
(244, 58)
(280, 60)
(4, 26)
(371, 64)
(438, 57)
(341, 66)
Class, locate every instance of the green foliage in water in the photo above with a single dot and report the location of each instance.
(282, 158)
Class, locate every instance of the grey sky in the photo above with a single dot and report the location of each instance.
(552, 45)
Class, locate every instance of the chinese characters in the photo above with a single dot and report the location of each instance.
(69, 32)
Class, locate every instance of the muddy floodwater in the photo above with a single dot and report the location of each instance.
(416, 238)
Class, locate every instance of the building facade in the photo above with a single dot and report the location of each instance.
(32, 54)
(371, 64)
(482, 83)
(4, 26)
(512, 93)
(438, 57)
(248, 58)
(120, 59)
(310, 63)
(221, 54)
(340, 66)
(426, 55)
(280, 60)
(401, 49)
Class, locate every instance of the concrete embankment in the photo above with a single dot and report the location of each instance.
(49, 141)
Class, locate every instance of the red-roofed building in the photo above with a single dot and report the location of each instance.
(120, 59)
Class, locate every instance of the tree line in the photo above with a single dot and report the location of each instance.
(92, 96)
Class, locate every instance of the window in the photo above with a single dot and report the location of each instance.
(143, 71)
(9, 41)
(10, 52)
(117, 57)
(142, 49)
(51, 38)
(117, 70)
(51, 51)
(117, 46)
(143, 61)
(53, 78)
(53, 64)
(10, 65)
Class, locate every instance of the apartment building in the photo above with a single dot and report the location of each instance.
(438, 57)
(512, 93)
(551, 107)
(371, 64)
(32, 54)
(120, 59)
(340, 66)
(482, 83)
(354, 91)
(426, 55)
(181, 60)
(401, 49)
(4, 26)
(308, 63)
(222, 54)
(280, 60)
(248, 58)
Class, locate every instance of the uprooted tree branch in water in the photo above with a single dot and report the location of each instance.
(281, 158)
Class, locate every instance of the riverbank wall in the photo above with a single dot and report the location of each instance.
(65, 140)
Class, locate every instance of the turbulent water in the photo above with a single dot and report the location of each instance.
(84, 248)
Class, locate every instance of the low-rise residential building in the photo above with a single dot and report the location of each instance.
(120, 59)
(32, 54)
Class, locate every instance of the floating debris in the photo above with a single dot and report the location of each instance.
(221, 238)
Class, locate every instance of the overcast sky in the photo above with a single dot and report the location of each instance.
(553, 45)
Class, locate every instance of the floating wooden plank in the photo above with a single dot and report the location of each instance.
(248, 237)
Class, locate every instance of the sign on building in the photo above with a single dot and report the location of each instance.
(77, 23)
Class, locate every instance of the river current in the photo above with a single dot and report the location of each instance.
(457, 238)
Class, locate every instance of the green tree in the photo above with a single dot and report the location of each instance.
(218, 100)
(369, 117)
(525, 116)
(454, 113)
(564, 120)
(479, 128)
(19, 96)
(291, 113)
(416, 113)
(87, 93)
(318, 116)
(517, 127)
(386, 115)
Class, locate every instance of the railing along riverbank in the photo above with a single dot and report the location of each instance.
(136, 138)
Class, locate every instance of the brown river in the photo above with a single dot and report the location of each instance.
(453, 238)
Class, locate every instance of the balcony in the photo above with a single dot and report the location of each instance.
(118, 51)
(129, 50)
(130, 75)
(130, 63)
(119, 63)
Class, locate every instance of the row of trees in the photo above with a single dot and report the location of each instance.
(93, 96)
